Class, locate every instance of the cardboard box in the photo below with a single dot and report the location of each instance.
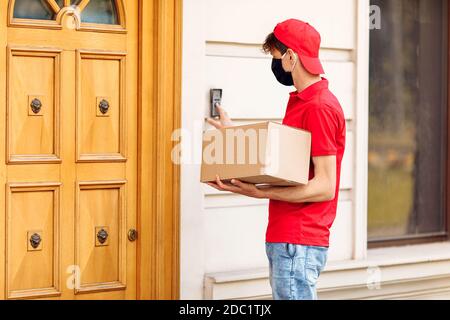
(266, 153)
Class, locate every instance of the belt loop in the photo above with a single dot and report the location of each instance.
(288, 249)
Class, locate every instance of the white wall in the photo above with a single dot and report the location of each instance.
(222, 40)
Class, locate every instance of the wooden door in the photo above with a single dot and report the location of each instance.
(71, 149)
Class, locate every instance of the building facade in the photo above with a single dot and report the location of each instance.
(93, 94)
(371, 256)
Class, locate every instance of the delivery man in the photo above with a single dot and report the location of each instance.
(300, 218)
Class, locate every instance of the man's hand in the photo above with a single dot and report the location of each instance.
(321, 188)
(238, 187)
(224, 121)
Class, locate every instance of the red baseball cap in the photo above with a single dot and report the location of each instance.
(304, 40)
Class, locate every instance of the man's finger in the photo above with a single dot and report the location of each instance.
(216, 186)
(240, 184)
(214, 123)
(220, 183)
(222, 112)
(227, 187)
(212, 185)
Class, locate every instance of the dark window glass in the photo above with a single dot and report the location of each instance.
(33, 9)
(97, 11)
(100, 11)
(407, 124)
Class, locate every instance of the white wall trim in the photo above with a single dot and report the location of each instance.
(362, 130)
(252, 285)
(254, 51)
(391, 273)
(192, 196)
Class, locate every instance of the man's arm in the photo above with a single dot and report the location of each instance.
(321, 188)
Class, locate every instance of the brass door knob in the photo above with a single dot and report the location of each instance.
(132, 235)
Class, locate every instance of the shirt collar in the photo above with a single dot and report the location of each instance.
(311, 91)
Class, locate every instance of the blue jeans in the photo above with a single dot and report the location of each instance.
(294, 270)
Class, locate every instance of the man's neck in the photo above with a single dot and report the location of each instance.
(305, 83)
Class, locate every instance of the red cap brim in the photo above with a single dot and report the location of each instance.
(312, 65)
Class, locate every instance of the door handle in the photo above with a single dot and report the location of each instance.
(132, 235)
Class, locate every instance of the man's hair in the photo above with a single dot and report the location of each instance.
(273, 43)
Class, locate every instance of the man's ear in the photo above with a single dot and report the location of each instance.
(291, 54)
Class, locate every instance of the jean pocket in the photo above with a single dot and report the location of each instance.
(316, 259)
(312, 274)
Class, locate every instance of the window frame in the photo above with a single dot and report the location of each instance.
(57, 23)
(438, 236)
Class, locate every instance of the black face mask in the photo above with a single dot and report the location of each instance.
(283, 77)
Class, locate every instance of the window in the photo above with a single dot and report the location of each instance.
(408, 127)
(100, 11)
(33, 9)
(92, 11)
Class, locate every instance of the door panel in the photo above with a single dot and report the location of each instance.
(71, 168)
(101, 97)
(33, 105)
(33, 240)
(100, 235)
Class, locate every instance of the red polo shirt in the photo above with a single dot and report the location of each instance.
(317, 110)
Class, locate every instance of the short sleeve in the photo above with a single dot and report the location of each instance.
(322, 123)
